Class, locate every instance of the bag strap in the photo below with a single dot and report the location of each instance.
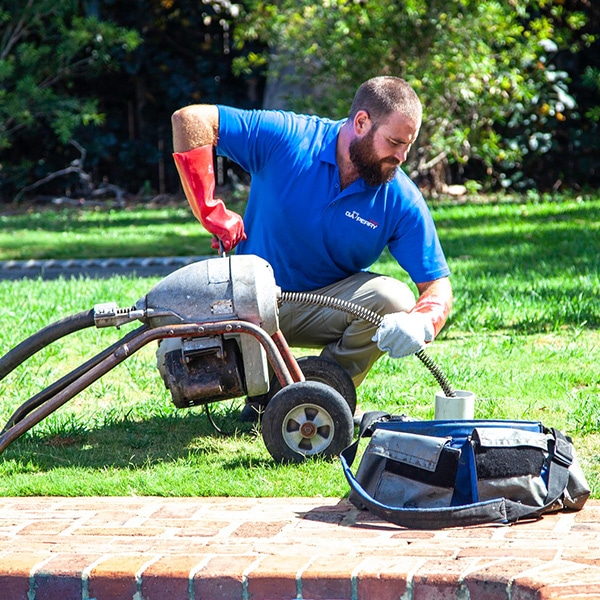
(499, 510)
(366, 428)
(558, 469)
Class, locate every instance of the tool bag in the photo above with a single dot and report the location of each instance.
(437, 474)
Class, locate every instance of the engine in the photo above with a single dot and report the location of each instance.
(204, 369)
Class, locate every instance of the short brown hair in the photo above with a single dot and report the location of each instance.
(381, 96)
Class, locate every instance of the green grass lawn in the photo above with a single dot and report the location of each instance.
(523, 335)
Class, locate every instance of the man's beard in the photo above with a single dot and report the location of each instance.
(372, 169)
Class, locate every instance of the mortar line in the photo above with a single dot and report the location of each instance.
(246, 576)
(85, 576)
(34, 569)
(299, 573)
(193, 572)
(139, 574)
(410, 577)
(354, 579)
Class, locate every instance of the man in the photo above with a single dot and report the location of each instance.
(326, 198)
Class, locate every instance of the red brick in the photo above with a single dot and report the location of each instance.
(411, 535)
(586, 527)
(533, 529)
(590, 514)
(556, 580)
(484, 532)
(10, 526)
(203, 528)
(121, 531)
(440, 580)
(592, 556)
(22, 505)
(169, 577)
(101, 503)
(233, 504)
(274, 578)
(114, 517)
(15, 573)
(43, 527)
(174, 509)
(547, 554)
(115, 577)
(329, 577)
(61, 577)
(326, 515)
(384, 578)
(257, 547)
(259, 529)
(571, 592)
(222, 577)
(217, 546)
(492, 579)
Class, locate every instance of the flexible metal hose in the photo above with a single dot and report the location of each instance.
(372, 317)
(44, 337)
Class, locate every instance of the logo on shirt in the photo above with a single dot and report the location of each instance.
(352, 214)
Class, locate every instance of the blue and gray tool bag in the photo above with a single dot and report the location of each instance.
(437, 474)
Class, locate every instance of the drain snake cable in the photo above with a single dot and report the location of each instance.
(372, 317)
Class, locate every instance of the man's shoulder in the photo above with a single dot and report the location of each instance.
(274, 114)
(405, 188)
(298, 132)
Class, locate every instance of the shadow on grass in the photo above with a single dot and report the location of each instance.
(136, 444)
(74, 233)
(147, 244)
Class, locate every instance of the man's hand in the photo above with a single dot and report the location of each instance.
(402, 334)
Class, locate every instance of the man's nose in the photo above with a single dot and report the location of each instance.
(402, 154)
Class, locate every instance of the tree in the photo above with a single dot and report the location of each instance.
(104, 76)
(185, 58)
(484, 69)
(45, 48)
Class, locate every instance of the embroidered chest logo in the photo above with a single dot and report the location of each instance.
(352, 214)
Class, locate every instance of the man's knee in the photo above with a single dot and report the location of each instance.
(388, 295)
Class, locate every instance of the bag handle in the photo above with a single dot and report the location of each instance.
(499, 510)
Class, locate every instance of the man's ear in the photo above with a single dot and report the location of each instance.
(362, 122)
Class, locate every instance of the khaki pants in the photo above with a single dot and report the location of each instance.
(343, 337)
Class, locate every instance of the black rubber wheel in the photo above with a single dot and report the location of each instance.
(305, 419)
(325, 371)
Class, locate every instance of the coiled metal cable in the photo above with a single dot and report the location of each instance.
(372, 317)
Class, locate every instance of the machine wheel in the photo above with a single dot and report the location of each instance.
(325, 371)
(305, 419)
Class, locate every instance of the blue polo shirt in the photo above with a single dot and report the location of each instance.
(299, 219)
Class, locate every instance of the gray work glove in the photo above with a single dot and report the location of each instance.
(402, 334)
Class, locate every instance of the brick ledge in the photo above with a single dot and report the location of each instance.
(282, 548)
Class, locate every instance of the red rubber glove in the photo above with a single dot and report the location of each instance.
(434, 308)
(195, 168)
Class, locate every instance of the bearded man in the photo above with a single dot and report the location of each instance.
(326, 199)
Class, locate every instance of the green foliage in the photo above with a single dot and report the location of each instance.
(591, 80)
(78, 70)
(484, 69)
(45, 47)
(511, 88)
